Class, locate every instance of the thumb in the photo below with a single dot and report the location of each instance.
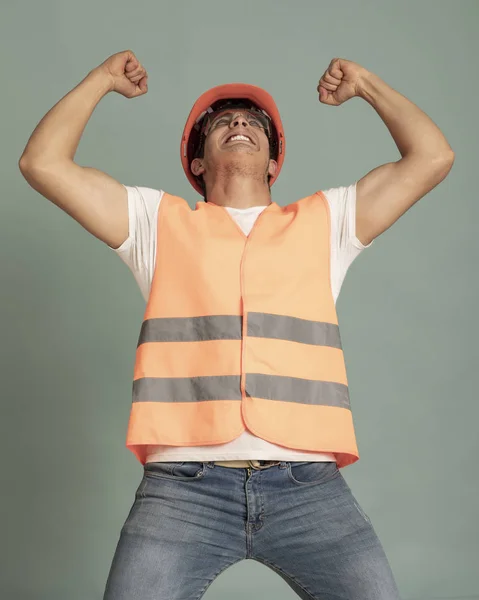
(143, 85)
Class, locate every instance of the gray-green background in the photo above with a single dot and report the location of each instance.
(71, 310)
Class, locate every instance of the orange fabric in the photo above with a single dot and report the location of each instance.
(206, 267)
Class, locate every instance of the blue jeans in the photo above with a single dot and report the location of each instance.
(192, 520)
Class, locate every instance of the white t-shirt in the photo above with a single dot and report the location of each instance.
(138, 252)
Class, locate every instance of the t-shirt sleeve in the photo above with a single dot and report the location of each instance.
(342, 205)
(138, 250)
(345, 246)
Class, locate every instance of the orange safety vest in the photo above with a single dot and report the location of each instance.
(241, 331)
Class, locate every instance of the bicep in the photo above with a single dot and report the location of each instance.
(390, 190)
(95, 200)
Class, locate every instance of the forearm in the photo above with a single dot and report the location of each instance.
(58, 134)
(412, 130)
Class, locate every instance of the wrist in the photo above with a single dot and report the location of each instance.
(103, 79)
(367, 85)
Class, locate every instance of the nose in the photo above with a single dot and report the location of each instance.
(239, 120)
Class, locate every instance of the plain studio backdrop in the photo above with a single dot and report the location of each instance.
(71, 310)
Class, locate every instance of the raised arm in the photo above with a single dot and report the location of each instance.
(94, 199)
(388, 191)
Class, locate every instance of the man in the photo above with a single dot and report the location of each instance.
(240, 413)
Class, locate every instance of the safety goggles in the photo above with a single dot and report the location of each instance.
(255, 118)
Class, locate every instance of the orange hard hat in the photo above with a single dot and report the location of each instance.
(211, 101)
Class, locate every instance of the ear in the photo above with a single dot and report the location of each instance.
(197, 167)
(272, 168)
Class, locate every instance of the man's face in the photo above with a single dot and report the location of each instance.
(224, 150)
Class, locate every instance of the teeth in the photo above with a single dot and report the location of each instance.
(239, 137)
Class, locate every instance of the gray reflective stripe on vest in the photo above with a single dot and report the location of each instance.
(293, 329)
(227, 387)
(228, 327)
(191, 329)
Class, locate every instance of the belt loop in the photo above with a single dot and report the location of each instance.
(271, 464)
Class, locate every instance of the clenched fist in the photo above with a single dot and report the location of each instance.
(128, 76)
(340, 82)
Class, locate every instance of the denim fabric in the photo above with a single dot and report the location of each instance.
(191, 520)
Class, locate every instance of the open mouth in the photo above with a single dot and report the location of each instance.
(239, 138)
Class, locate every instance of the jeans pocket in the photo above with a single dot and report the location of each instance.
(309, 473)
(141, 487)
(361, 511)
(176, 471)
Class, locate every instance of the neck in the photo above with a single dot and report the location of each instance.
(238, 192)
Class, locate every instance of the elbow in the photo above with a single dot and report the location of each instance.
(24, 164)
(27, 165)
(450, 157)
(445, 157)
(442, 164)
(31, 170)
